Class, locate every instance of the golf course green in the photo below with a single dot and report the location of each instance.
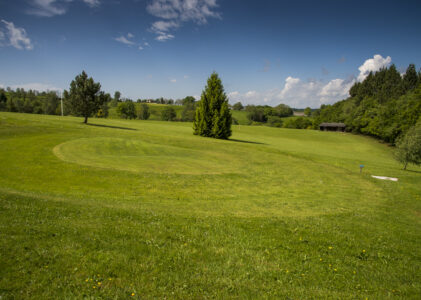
(118, 209)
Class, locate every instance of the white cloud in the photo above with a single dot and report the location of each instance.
(162, 37)
(140, 48)
(16, 36)
(299, 94)
(163, 26)
(50, 8)
(334, 90)
(173, 80)
(92, 3)
(372, 65)
(176, 12)
(125, 40)
(146, 44)
(186, 76)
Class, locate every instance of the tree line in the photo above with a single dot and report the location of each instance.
(385, 105)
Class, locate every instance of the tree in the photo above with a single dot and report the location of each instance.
(143, 112)
(410, 79)
(238, 106)
(168, 114)
(408, 147)
(126, 110)
(188, 100)
(213, 117)
(84, 97)
(117, 96)
(307, 111)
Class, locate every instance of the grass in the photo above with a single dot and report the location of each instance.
(145, 208)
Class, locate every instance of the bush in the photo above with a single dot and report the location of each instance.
(298, 123)
(126, 110)
(143, 112)
(274, 121)
(168, 114)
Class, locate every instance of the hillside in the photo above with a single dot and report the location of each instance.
(145, 208)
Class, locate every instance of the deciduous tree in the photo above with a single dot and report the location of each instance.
(84, 97)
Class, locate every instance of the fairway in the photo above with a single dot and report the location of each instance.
(123, 209)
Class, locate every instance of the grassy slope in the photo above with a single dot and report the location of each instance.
(147, 208)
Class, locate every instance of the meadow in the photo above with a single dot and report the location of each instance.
(121, 209)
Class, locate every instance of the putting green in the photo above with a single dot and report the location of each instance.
(136, 155)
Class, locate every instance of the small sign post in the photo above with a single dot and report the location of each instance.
(361, 168)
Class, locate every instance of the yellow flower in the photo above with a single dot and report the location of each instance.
(330, 247)
(132, 294)
(335, 270)
(94, 287)
(354, 272)
(99, 283)
(321, 259)
(110, 279)
(363, 251)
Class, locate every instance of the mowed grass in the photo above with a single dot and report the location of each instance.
(145, 209)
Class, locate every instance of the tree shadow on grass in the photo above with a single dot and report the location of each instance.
(247, 142)
(109, 126)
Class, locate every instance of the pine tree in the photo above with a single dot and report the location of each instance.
(410, 79)
(213, 117)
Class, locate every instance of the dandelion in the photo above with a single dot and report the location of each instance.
(87, 279)
(354, 272)
(335, 270)
(363, 251)
(94, 287)
(99, 283)
(110, 279)
(321, 259)
(330, 247)
(286, 271)
(133, 294)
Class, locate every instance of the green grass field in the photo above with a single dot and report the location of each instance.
(146, 210)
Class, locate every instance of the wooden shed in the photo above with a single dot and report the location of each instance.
(332, 127)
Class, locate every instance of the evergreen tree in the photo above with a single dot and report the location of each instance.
(410, 79)
(213, 117)
(84, 97)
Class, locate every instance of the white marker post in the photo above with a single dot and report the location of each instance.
(61, 100)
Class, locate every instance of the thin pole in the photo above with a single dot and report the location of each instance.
(61, 100)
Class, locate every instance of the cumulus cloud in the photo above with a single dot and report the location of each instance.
(15, 36)
(299, 93)
(175, 12)
(372, 65)
(50, 8)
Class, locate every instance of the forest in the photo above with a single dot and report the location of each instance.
(385, 105)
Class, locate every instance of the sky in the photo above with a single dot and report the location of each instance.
(300, 53)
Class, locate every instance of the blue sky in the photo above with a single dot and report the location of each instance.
(302, 53)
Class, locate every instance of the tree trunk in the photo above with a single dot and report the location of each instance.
(404, 167)
(86, 120)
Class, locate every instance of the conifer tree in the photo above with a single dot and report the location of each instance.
(213, 117)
